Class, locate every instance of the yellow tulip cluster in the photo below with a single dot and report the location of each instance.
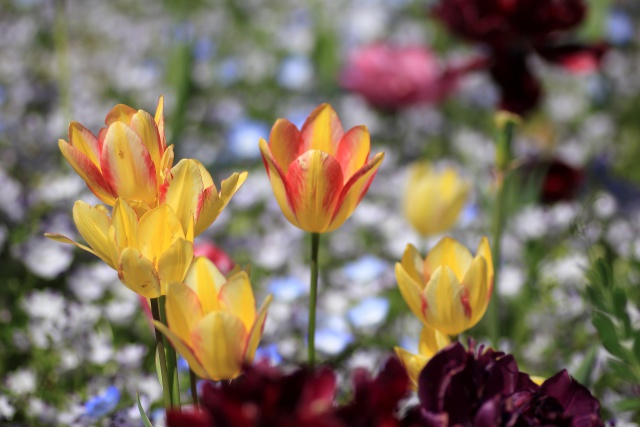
(147, 237)
(449, 291)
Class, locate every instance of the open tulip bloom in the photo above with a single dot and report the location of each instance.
(431, 342)
(319, 173)
(212, 321)
(450, 289)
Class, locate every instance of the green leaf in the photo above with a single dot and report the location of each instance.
(158, 370)
(622, 370)
(636, 347)
(608, 335)
(629, 404)
(583, 373)
(145, 419)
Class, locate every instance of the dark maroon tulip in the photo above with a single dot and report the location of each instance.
(559, 181)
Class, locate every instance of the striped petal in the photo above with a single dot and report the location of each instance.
(127, 166)
(206, 280)
(138, 273)
(185, 351)
(353, 150)
(322, 130)
(448, 252)
(412, 262)
(93, 225)
(256, 331)
(125, 223)
(184, 310)
(411, 292)
(278, 183)
(285, 142)
(314, 182)
(157, 230)
(445, 309)
(213, 203)
(174, 262)
(218, 340)
(85, 141)
(354, 191)
(89, 172)
(236, 296)
(476, 299)
(159, 119)
(184, 189)
(119, 113)
(145, 127)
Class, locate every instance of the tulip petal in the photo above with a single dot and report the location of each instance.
(85, 141)
(125, 223)
(89, 172)
(206, 280)
(314, 184)
(322, 130)
(93, 225)
(184, 310)
(159, 119)
(119, 113)
(185, 351)
(278, 183)
(218, 340)
(64, 239)
(448, 252)
(285, 143)
(413, 364)
(174, 262)
(413, 264)
(354, 190)
(213, 203)
(127, 166)
(236, 297)
(411, 292)
(207, 181)
(157, 230)
(475, 300)
(256, 331)
(444, 296)
(184, 189)
(484, 250)
(138, 273)
(432, 341)
(145, 127)
(353, 150)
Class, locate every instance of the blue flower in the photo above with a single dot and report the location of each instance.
(296, 72)
(287, 288)
(620, 28)
(365, 269)
(103, 404)
(269, 352)
(370, 312)
(243, 138)
(332, 341)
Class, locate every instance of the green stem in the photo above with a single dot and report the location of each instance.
(194, 387)
(155, 311)
(313, 296)
(172, 361)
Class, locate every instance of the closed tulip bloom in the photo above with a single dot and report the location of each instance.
(319, 173)
(147, 252)
(450, 289)
(433, 199)
(212, 320)
(431, 342)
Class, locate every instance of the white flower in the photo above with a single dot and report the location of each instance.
(21, 382)
(7, 410)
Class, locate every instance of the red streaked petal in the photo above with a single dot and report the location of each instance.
(278, 183)
(285, 143)
(354, 190)
(88, 172)
(85, 141)
(119, 113)
(314, 184)
(127, 166)
(322, 130)
(353, 150)
(159, 119)
(145, 126)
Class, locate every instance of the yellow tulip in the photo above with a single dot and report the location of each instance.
(148, 253)
(433, 200)
(212, 321)
(431, 342)
(319, 173)
(450, 289)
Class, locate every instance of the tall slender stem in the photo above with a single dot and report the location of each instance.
(313, 296)
(172, 361)
(194, 387)
(166, 390)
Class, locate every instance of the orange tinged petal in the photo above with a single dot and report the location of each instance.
(145, 126)
(213, 203)
(93, 225)
(314, 184)
(218, 340)
(236, 296)
(278, 183)
(89, 172)
(185, 351)
(256, 331)
(354, 191)
(285, 143)
(85, 141)
(353, 150)
(119, 113)
(159, 119)
(322, 130)
(184, 310)
(138, 273)
(126, 164)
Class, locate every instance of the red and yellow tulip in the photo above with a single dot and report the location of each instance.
(319, 173)
(431, 342)
(450, 289)
(212, 321)
(148, 252)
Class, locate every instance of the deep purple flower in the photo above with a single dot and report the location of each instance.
(484, 388)
(559, 180)
(512, 30)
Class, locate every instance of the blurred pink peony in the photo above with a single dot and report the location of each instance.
(392, 77)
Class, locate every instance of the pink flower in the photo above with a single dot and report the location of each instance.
(393, 77)
(215, 254)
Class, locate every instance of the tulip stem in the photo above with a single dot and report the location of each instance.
(166, 390)
(313, 296)
(194, 387)
(172, 362)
